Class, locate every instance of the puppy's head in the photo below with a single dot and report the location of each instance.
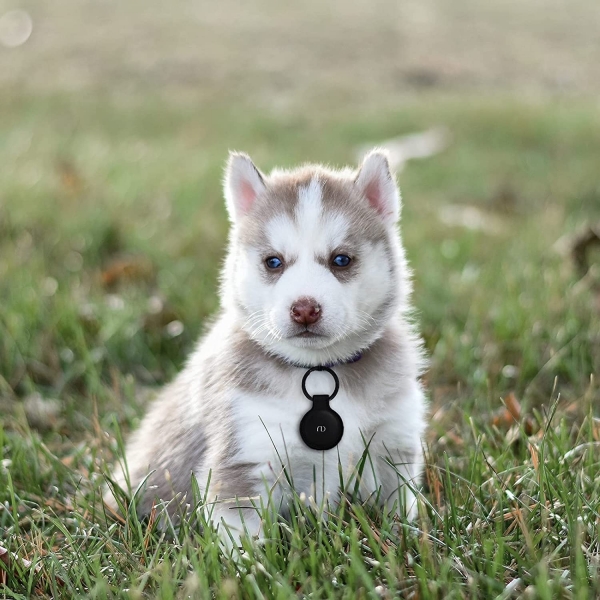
(315, 267)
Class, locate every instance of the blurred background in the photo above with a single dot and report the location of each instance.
(115, 122)
(283, 56)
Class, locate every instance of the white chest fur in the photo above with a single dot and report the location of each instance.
(267, 430)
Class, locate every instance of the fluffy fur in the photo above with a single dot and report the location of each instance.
(232, 414)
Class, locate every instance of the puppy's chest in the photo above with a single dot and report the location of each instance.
(268, 428)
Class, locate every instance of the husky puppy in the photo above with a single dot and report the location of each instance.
(315, 275)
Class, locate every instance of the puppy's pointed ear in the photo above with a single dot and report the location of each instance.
(243, 184)
(378, 185)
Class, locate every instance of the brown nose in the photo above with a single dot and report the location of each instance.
(305, 311)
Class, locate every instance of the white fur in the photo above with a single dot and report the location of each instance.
(266, 430)
(267, 426)
(386, 407)
(344, 306)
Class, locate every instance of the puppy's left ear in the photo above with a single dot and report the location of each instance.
(377, 184)
(243, 184)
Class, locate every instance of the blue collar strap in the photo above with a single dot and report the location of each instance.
(354, 358)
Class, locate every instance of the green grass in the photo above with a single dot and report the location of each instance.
(87, 180)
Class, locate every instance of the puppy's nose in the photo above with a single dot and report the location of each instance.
(305, 311)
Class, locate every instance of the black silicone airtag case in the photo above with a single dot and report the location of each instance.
(321, 428)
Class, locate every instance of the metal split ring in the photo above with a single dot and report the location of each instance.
(332, 373)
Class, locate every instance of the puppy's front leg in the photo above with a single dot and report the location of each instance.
(399, 469)
(235, 519)
(238, 504)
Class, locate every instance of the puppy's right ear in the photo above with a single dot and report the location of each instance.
(243, 184)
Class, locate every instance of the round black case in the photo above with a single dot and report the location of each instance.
(321, 428)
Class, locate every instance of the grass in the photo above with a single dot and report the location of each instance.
(112, 232)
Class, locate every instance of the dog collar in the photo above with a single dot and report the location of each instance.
(354, 358)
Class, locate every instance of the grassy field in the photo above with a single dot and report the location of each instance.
(112, 233)
(113, 229)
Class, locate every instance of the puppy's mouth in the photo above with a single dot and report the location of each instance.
(307, 335)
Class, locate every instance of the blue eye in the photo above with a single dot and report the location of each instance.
(273, 262)
(341, 260)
